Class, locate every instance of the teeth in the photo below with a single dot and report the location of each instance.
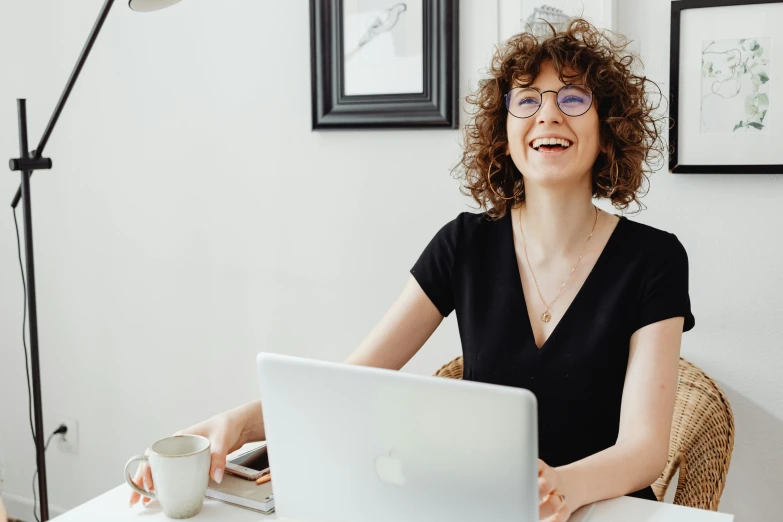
(551, 141)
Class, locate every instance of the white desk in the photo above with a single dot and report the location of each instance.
(113, 506)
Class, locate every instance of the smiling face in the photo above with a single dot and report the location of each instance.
(571, 165)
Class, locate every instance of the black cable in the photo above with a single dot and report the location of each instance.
(61, 429)
(26, 362)
(24, 330)
(35, 502)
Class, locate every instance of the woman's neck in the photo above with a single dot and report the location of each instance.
(556, 224)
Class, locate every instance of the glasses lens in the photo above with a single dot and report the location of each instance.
(522, 102)
(574, 100)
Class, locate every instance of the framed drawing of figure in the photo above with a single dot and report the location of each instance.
(384, 63)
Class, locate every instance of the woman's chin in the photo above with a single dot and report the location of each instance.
(551, 178)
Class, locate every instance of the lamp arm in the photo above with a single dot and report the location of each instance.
(38, 153)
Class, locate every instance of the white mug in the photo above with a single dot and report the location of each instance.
(180, 473)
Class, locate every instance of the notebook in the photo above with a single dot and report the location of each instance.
(242, 492)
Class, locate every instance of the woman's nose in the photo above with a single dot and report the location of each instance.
(549, 112)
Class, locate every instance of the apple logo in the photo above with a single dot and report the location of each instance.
(389, 469)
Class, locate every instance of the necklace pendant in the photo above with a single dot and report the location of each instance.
(546, 316)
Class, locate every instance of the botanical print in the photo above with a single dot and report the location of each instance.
(735, 85)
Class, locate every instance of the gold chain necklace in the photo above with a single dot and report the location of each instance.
(546, 316)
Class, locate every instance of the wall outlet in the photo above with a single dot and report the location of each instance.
(68, 442)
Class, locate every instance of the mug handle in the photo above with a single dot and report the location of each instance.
(129, 480)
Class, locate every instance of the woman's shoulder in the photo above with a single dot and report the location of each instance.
(477, 221)
(471, 226)
(650, 241)
(468, 230)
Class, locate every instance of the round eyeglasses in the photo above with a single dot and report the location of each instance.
(572, 100)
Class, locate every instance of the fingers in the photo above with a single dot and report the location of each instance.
(554, 508)
(217, 443)
(148, 486)
(219, 450)
(223, 433)
(143, 480)
(138, 482)
(548, 480)
(146, 475)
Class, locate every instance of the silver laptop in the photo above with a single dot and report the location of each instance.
(356, 444)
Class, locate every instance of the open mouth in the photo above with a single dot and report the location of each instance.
(550, 144)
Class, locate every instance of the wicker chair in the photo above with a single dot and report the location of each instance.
(702, 438)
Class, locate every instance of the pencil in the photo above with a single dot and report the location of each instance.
(263, 480)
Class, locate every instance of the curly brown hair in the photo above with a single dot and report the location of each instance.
(629, 130)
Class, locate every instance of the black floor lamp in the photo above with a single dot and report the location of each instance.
(27, 162)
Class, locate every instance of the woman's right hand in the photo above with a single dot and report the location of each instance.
(224, 432)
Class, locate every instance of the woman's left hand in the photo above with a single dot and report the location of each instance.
(553, 505)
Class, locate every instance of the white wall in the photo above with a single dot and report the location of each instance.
(730, 225)
(193, 219)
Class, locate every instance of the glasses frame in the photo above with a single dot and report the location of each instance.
(541, 97)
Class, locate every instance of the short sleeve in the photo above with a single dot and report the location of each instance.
(434, 268)
(665, 290)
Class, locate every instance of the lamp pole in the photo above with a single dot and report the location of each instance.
(28, 162)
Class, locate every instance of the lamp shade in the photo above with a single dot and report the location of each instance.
(150, 5)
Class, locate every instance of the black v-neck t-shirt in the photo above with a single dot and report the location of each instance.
(577, 376)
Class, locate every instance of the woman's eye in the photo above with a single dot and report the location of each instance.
(527, 101)
(572, 99)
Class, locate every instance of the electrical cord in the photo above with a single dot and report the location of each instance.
(24, 329)
(62, 428)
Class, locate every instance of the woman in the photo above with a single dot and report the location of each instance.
(583, 308)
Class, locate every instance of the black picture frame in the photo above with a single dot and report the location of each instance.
(674, 82)
(436, 107)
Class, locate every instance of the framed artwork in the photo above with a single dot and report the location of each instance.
(384, 63)
(516, 16)
(726, 87)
